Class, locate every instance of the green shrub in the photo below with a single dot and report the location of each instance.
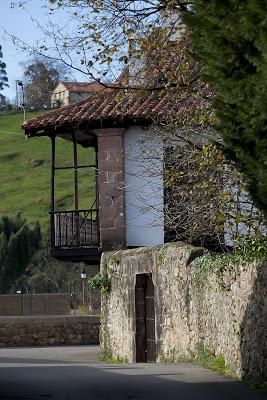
(208, 359)
(109, 358)
(101, 282)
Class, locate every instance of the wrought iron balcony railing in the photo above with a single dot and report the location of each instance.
(74, 228)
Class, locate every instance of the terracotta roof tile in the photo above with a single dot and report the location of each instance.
(135, 105)
(104, 106)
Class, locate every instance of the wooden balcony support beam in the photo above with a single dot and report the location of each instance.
(52, 182)
(52, 188)
(78, 167)
(75, 172)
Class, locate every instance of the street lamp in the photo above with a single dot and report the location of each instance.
(83, 277)
(19, 291)
(20, 84)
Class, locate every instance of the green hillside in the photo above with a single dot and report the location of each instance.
(25, 173)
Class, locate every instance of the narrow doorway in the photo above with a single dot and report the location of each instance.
(145, 319)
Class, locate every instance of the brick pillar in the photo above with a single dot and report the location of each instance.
(111, 191)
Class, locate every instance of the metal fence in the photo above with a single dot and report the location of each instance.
(34, 304)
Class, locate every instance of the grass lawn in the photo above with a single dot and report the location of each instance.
(25, 173)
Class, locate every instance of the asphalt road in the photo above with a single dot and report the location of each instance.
(74, 373)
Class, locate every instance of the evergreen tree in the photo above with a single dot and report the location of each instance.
(3, 76)
(13, 261)
(3, 259)
(230, 40)
(9, 226)
(18, 243)
(37, 236)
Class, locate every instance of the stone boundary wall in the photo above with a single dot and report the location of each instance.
(225, 313)
(49, 330)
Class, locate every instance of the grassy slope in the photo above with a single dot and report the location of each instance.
(25, 185)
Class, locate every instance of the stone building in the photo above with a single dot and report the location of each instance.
(152, 310)
(123, 124)
(118, 124)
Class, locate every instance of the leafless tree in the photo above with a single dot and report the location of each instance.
(44, 274)
(205, 200)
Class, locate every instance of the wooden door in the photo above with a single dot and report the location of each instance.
(145, 319)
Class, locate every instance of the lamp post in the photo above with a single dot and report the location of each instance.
(83, 277)
(19, 291)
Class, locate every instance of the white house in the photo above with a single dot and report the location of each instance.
(119, 123)
(66, 93)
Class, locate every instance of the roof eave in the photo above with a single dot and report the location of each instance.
(53, 130)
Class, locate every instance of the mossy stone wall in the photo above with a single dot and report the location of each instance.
(225, 312)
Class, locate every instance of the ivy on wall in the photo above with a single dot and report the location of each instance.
(252, 249)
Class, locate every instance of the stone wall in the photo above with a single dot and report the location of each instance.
(225, 312)
(48, 330)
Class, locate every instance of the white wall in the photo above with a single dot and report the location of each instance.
(144, 193)
(60, 93)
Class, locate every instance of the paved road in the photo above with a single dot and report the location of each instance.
(74, 373)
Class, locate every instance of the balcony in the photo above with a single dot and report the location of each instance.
(75, 235)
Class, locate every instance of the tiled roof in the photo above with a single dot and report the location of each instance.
(122, 105)
(116, 104)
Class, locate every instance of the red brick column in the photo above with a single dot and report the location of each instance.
(111, 187)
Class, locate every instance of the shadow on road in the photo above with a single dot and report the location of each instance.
(105, 382)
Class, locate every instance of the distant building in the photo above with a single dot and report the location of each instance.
(2, 101)
(67, 93)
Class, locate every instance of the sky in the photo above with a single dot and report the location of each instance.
(18, 22)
